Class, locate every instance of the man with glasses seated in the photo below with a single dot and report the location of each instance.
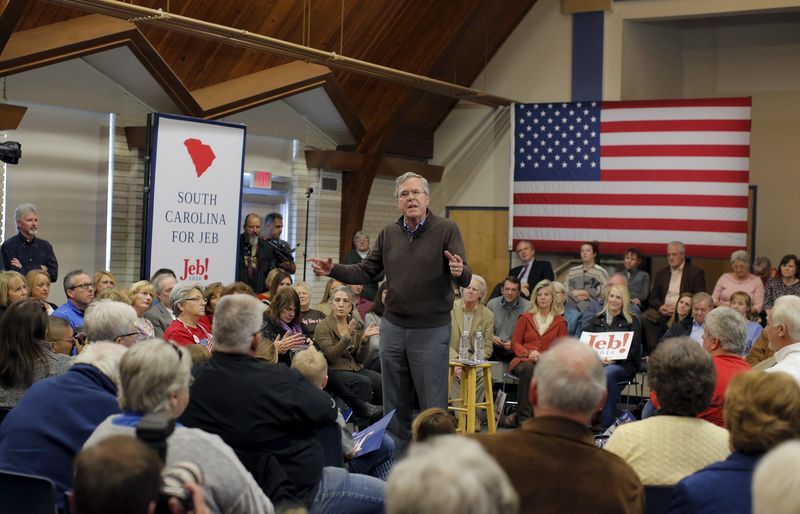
(111, 321)
(79, 289)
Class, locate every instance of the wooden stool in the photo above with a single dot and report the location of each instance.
(466, 402)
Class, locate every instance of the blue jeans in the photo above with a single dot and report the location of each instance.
(614, 375)
(648, 410)
(340, 491)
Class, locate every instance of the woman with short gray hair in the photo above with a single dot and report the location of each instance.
(189, 306)
(154, 378)
(740, 279)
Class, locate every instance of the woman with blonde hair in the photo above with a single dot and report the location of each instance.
(142, 294)
(616, 317)
(38, 282)
(103, 280)
(533, 334)
(12, 289)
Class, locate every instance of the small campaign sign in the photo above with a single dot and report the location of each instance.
(369, 439)
(610, 345)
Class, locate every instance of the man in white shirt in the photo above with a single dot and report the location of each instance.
(783, 331)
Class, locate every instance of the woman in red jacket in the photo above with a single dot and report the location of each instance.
(533, 334)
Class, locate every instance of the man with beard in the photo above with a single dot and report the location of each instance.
(255, 255)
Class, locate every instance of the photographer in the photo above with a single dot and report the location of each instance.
(154, 377)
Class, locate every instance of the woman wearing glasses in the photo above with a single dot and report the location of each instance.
(189, 305)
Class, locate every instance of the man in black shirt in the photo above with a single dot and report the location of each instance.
(255, 255)
(25, 252)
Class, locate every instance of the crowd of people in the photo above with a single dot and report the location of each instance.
(255, 382)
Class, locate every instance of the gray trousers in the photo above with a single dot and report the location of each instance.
(412, 359)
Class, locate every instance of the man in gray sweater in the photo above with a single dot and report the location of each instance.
(421, 254)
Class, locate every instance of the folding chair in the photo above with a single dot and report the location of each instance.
(27, 493)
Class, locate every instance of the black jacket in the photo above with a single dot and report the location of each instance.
(619, 324)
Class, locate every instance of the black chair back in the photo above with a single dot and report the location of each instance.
(657, 499)
(26, 494)
(3, 413)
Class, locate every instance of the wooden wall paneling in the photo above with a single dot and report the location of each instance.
(485, 234)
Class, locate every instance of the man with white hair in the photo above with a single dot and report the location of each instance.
(25, 252)
(46, 429)
(109, 320)
(777, 479)
(269, 408)
(783, 331)
(550, 457)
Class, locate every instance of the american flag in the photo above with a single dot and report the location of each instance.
(636, 173)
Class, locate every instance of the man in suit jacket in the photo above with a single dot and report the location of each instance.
(676, 278)
(160, 314)
(535, 457)
(529, 273)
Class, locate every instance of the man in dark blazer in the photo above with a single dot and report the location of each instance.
(160, 314)
(668, 284)
(529, 273)
(551, 460)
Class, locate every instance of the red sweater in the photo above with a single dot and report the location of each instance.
(526, 336)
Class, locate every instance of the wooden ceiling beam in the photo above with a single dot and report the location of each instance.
(352, 162)
(11, 116)
(11, 12)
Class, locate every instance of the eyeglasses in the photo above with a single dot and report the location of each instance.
(263, 326)
(405, 195)
(88, 285)
(175, 347)
(198, 299)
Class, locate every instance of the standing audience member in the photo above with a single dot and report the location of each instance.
(740, 302)
(638, 279)
(103, 280)
(25, 355)
(79, 289)
(449, 475)
(255, 255)
(761, 411)
(188, 305)
(38, 283)
(585, 282)
(46, 429)
(787, 282)
(664, 449)
(25, 251)
(423, 255)
(739, 280)
(115, 322)
(783, 332)
(777, 480)
(506, 309)
(679, 276)
(142, 294)
(273, 227)
(160, 314)
(567, 388)
(12, 289)
(529, 273)
(430, 423)
(360, 252)
(536, 330)
(374, 317)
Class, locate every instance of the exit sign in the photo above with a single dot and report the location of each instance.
(262, 179)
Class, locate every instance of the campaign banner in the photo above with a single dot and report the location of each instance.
(195, 198)
(609, 345)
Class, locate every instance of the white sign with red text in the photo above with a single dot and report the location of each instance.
(611, 346)
(195, 199)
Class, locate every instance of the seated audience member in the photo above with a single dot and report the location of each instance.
(682, 315)
(312, 364)
(760, 356)
(212, 294)
(38, 282)
(677, 277)
(237, 288)
(277, 412)
(449, 475)
(79, 289)
(361, 304)
(277, 280)
(787, 281)
(188, 305)
(46, 429)
(12, 289)
(529, 273)
(282, 324)
(359, 253)
(701, 306)
(783, 331)
(471, 316)
(374, 317)
(103, 280)
(344, 342)
(160, 314)
(740, 279)
(198, 353)
(638, 279)
(761, 411)
(777, 480)
(154, 378)
(60, 336)
(430, 423)
(616, 317)
(111, 321)
(536, 330)
(557, 448)
(762, 268)
(309, 317)
(25, 355)
(664, 449)
(142, 294)
(324, 306)
(571, 314)
(593, 307)
(506, 310)
(114, 294)
(585, 282)
(740, 302)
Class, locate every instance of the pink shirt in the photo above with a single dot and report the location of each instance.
(729, 284)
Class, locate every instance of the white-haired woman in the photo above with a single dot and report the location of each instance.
(189, 306)
(740, 279)
(154, 378)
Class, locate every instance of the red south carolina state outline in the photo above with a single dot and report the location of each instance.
(202, 155)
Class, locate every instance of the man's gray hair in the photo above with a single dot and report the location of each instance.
(360, 235)
(105, 320)
(449, 474)
(69, 278)
(729, 327)
(777, 479)
(158, 282)
(104, 356)
(406, 176)
(740, 256)
(180, 292)
(150, 371)
(786, 311)
(570, 378)
(702, 296)
(237, 317)
(343, 289)
(679, 244)
(24, 209)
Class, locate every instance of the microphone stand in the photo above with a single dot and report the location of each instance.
(309, 190)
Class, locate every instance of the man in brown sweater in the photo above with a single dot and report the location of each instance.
(551, 460)
(421, 254)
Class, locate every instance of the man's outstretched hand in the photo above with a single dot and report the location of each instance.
(321, 267)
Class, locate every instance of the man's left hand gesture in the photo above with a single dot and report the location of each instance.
(456, 264)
